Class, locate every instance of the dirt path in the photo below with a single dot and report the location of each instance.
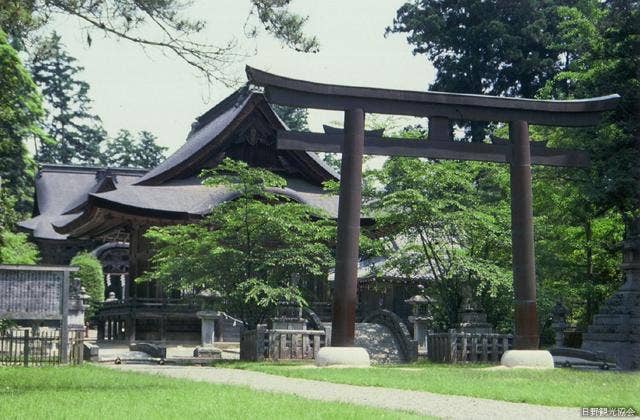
(445, 406)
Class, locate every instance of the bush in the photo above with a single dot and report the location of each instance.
(91, 278)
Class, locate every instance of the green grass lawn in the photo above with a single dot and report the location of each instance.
(557, 387)
(95, 392)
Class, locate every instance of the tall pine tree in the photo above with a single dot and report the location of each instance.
(77, 133)
(126, 151)
(149, 153)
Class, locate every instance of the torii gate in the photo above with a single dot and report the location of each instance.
(441, 109)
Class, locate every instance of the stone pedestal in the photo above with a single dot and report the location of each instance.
(615, 330)
(343, 356)
(208, 331)
(208, 352)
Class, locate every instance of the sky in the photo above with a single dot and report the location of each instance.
(146, 89)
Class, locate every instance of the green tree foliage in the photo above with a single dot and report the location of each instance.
(255, 250)
(284, 25)
(449, 221)
(125, 151)
(577, 256)
(16, 249)
(76, 133)
(492, 47)
(8, 214)
(91, 278)
(560, 50)
(149, 153)
(587, 210)
(158, 24)
(604, 46)
(20, 115)
(295, 118)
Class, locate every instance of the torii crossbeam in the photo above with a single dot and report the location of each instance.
(441, 109)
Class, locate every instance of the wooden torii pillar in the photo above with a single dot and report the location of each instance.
(441, 109)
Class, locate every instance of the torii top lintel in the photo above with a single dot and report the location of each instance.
(300, 93)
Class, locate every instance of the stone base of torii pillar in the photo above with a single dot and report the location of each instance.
(343, 356)
(533, 359)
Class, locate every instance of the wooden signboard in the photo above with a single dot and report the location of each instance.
(36, 292)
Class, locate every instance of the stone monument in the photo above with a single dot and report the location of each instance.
(471, 316)
(288, 317)
(615, 330)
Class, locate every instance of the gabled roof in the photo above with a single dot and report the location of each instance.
(213, 127)
(60, 189)
(243, 126)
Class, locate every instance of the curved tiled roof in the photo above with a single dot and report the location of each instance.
(62, 188)
(190, 198)
(172, 191)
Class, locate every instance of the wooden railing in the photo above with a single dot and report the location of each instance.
(261, 344)
(20, 347)
(116, 320)
(454, 347)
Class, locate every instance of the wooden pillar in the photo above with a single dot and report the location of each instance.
(524, 276)
(131, 328)
(101, 328)
(219, 330)
(346, 272)
(139, 254)
(163, 328)
(439, 129)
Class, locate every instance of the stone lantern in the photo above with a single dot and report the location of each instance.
(78, 303)
(421, 318)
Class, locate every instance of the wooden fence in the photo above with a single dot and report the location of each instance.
(454, 347)
(21, 347)
(261, 344)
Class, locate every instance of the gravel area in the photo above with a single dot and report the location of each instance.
(426, 403)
